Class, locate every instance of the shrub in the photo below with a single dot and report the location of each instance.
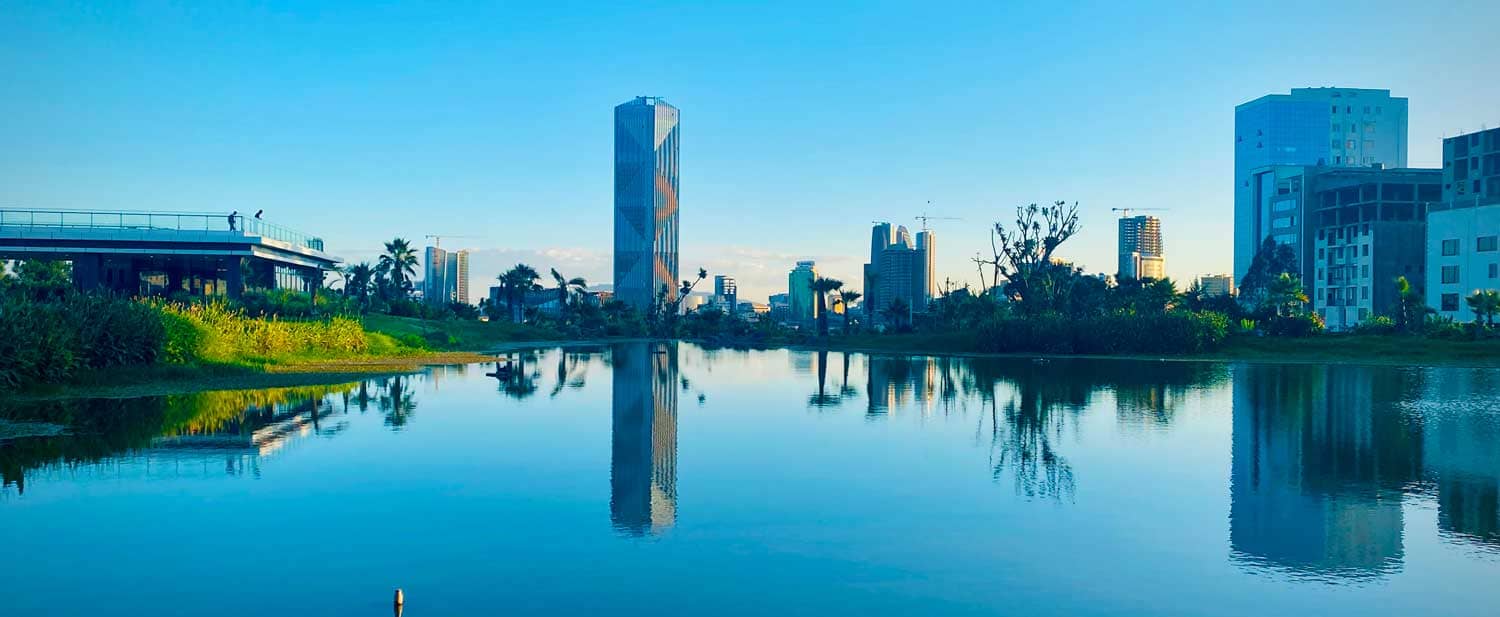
(50, 340)
(1293, 325)
(1171, 332)
(1379, 325)
(1446, 328)
(216, 332)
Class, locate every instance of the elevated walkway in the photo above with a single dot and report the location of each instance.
(155, 252)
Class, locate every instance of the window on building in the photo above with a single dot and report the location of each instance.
(1364, 271)
(1486, 244)
(1377, 111)
(1450, 247)
(1338, 160)
(1365, 250)
(1335, 109)
(1367, 109)
(1337, 143)
(1364, 314)
(1348, 109)
(1474, 163)
(1450, 275)
(1450, 302)
(1349, 145)
(1365, 231)
(1320, 253)
(1495, 271)
(1476, 187)
(1338, 128)
(1364, 293)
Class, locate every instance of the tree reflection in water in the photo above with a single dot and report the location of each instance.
(1032, 405)
(396, 401)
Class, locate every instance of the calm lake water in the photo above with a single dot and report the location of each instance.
(668, 479)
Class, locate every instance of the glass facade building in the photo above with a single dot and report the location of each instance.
(646, 165)
(1334, 127)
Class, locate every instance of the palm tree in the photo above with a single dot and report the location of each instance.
(1484, 304)
(564, 288)
(359, 278)
(517, 281)
(399, 262)
(848, 297)
(821, 286)
(898, 311)
(1286, 293)
(1409, 307)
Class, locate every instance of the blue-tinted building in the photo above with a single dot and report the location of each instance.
(1336, 127)
(646, 135)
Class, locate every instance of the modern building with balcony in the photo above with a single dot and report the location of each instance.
(1368, 228)
(160, 253)
(1464, 230)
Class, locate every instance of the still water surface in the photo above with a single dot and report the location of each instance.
(668, 479)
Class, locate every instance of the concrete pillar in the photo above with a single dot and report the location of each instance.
(88, 272)
(234, 278)
(175, 269)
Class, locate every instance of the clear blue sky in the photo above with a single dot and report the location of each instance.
(802, 122)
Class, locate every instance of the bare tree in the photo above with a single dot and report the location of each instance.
(1023, 253)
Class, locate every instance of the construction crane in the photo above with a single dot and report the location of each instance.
(1125, 212)
(924, 218)
(437, 239)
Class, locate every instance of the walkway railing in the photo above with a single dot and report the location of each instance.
(165, 221)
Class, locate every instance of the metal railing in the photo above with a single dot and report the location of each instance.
(156, 221)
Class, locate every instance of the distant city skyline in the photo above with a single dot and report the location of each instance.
(362, 122)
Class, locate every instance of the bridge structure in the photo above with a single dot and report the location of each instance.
(161, 253)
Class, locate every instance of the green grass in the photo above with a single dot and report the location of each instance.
(456, 334)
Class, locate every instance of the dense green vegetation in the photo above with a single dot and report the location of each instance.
(50, 333)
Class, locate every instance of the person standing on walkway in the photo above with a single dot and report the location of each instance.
(231, 219)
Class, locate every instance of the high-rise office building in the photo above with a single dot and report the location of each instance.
(1140, 248)
(461, 281)
(1463, 231)
(435, 276)
(881, 237)
(926, 284)
(726, 293)
(905, 272)
(800, 299)
(1333, 127)
(646, 215)
(446, 276)
(899, 269)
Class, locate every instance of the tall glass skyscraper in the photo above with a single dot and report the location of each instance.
(1336, 127)
(646, 133)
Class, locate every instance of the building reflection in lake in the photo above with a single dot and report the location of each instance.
(209, 433)
(643, 460)
(1461, 454)
(1320, 462)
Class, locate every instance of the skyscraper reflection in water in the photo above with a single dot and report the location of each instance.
(643, 461)
(1321, 459)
